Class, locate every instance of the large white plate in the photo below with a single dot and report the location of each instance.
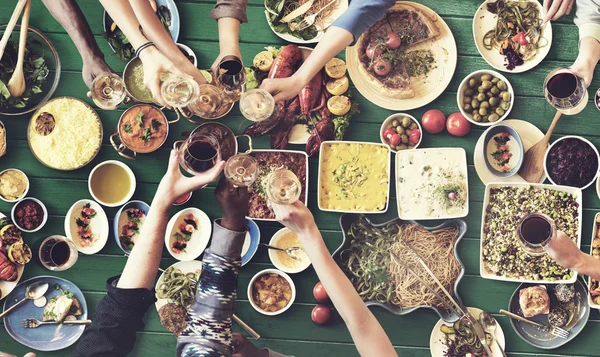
(438, 348)
(99, 226)
(483, 21)
(486, 200)
(7, 286)
(529, 134)
(199, 239)
(185, 267)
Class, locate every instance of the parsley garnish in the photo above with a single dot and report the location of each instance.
(146, 136)
(127, 128)
(140, 119)
(156, 124)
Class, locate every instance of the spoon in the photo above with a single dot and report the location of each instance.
(33, 291)
(532, 169)
(489, 325)
(11, 25)
(289, 251)
(16, 84)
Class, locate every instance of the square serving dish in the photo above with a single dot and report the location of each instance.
(594, 234)
(490, 275)
(432, 158)
(324, 147)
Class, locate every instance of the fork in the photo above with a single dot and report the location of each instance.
(34, 323)
(289, 251)
(309, 20)
(553, 330)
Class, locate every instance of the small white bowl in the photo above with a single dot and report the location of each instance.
(572, 137)
(99, 226)
(189, 52)
(272, 271)
(131, 189)
(275, 257)
(199, 239)
(26, 187)
(386, 123)
(12, 214)
(464, 84)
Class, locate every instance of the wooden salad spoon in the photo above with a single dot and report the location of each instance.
(532, 169)
(11, 25)
(16, 84)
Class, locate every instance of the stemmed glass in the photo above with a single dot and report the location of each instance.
(209, 101)
(534, 232)
(200, 153)
(258, 105)
(283, 187)
(231, 78)
(179, 91)
(108, 91)
(241, 170)
(565, 91)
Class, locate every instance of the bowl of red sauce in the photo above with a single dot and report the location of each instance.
(183, 199)
(29, 215)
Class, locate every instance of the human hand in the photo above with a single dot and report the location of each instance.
(554, 9)
(283, 88)
(233, 50)
(156, 64)
(174, 185)
(295, 216)
(92, 68)
(244, 348)
(562, 250)
(234, 205)
(4, 354)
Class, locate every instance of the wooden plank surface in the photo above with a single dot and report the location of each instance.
(293, 332)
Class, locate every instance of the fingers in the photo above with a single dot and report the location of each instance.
(565, 7)
(550, 15)
(173, 162)
(570, 7)
(280, 97)
(203, 179)
(154, 86)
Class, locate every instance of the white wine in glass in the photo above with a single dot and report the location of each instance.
(179, 91)
(108, 91)
(209, 101)
(283, 187)
(241, 170)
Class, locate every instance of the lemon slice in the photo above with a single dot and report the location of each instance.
(263, 61)
(335, 68)
(339, 105)
(338, 86)
(19, 253)
(206, 75)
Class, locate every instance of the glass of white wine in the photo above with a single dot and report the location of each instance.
(258, 105)
(179, 91)
(283, 187)
(209, 101)
(241, 170)
(108, 91)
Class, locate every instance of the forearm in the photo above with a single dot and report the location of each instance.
(588, 265)
(589, 51)
(229, 35)
(122, 14)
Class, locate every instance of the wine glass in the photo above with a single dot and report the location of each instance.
(108, 91)
(241, 170)
(257, 105)
(209, 101)
(535, 231)
(231, 77)
(179, 91)
(200, 153)
(283, 187)
(565, 91)
(58, 253)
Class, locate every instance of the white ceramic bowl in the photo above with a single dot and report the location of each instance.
(99, 225)
(189, 52)
(131, 189)
(275, 257)
(571, 137)
(12, 214)
(388, 121)
(464, 84)
(278, 272)
(26, 187)
(199, 239)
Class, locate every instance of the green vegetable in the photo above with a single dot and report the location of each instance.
(127, 128)
(251, 81)
(146, 136)
(140, 119)
(277, 10)
(448, 330)
(155, 124)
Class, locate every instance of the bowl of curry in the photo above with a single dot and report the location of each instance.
(271, 292)
(142, 129)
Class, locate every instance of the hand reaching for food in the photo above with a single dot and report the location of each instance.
(554, 9)
(283, 88)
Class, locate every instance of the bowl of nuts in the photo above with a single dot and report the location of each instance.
(485, 97)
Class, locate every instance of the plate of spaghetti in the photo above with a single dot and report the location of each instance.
(401, 289)
(278, 12)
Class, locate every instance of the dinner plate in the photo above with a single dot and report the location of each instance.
(426, 91)
(198, 240)
(436, 340)
(119, 221)
(44, 338)
(251, 241)
(185, 267)
(484, 21)
(340, 8)
(539, 338)
(98, 224)
(529, 134)
(7, 286)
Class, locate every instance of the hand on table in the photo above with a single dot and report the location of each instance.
(234, 205)
(174, 185)
(556, 8)
(295, 216)
(244, 348)
(564, 251)
(283, 88)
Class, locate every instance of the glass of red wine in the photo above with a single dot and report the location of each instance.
(200, 153)
(231, 78)
(565, 91)
(58, 253)
(535, 231)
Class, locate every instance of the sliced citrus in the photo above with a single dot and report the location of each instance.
(338, 86)
(263, 61)
(339, 105)
(206, 75)
(335, 68)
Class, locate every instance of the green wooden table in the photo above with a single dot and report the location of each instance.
(292, 332)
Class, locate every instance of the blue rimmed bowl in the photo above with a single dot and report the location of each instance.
(489, 135)
(117, 227)
(251, 241)
(346, 221)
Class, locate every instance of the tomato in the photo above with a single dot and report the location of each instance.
(458, 125)
(433, 121)
(387, 133)
(395, 140)
(320, 293)
(382, 67)
(374, 50)
(392, 40)
(321, 314)
(415, 136)
(521, 39)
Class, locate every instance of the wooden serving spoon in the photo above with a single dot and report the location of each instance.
(16, 84)
(11, 25)
(532, 169)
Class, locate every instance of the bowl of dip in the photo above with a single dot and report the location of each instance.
(133, 77)
(29, 215)
(271, 292)
(14, 185)
(111, 183)
(285, 238)
(503, 150)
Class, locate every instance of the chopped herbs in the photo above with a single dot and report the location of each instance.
(277, 10)
(127, 128)
(140, 119)
(146, 136)
(155, 124)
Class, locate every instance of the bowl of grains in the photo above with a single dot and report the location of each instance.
(292, 263)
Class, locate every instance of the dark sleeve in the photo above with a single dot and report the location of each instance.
(118, 317)
(230, 8)
(361, 15)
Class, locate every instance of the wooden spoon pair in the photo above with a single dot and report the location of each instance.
(16, 84)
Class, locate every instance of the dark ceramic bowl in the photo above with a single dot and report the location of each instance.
(347, 219)
(491, 132)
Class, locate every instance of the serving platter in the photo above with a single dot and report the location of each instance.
(489, 275)
(484, 21)
(6, 287)
(346, 221)
(98, 224)
(199, 238)
(426, 91)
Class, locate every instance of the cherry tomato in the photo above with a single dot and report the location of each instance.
(415, 136)
(387, 133)
(458, 125)
(321, 314)
(374, 50)
(320, 293)
(392, 40)
(395, 140)
(433, 121)
(521, 39)
(382, 67)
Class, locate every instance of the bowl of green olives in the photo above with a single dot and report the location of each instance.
(485, 97)
(401, 131)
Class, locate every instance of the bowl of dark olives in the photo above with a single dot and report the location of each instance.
(485, 97)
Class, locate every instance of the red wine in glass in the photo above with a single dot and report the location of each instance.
(535, 232)
(231, 78)
(200, 153)
(565, 91)
(58, 253)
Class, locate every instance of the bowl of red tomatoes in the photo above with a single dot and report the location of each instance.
(401, 131)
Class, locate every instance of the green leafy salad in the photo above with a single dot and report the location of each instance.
(277, 10)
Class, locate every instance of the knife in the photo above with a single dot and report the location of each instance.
(301, 10)
(478, 329)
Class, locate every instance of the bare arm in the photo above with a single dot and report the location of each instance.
(564, 251)
(229, 39)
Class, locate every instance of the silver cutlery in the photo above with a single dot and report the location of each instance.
(553, 330)
(35, 323)
(292, 251)
(489, 324)
(309, 20)
(33, 291)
